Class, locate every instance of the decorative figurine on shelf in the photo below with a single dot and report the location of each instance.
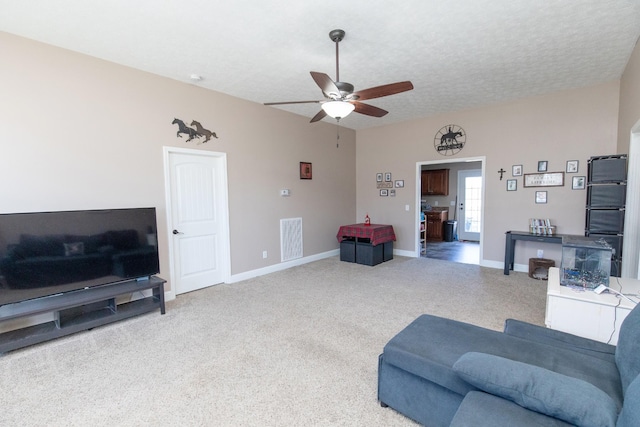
(367, 220)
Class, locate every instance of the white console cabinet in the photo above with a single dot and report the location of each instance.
(587, 314)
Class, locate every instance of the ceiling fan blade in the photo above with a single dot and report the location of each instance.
(325, 83)
(369, 110)
(291, 102)
(321, 115)
(384, 90)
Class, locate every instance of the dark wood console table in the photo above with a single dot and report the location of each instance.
(510, 244)
(79, 310)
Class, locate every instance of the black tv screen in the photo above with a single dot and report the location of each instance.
(47, 253)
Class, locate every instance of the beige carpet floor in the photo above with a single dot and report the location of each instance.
(297, 347)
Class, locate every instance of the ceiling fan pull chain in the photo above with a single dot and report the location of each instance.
(338, 133)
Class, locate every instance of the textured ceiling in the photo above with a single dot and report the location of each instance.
(459, 54)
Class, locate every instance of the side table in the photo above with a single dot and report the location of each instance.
(585, 313)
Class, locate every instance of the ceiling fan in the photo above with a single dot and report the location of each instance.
(340, 99)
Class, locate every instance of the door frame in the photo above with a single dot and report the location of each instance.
(224, 199)
(461, 172)
(418, 184)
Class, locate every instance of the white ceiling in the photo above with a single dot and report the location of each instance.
(459, 54)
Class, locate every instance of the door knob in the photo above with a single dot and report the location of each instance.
(176, 232)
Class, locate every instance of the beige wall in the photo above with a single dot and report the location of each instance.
(629, 100)
(568, 125)
(78, 133)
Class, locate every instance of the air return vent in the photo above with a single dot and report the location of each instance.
(290, 238)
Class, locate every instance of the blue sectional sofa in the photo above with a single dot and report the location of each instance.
(441, 372)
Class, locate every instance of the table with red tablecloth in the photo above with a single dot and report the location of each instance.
(366, 244)
(376, 233)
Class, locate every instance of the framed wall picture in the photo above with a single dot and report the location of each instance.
(572, 166)
(400, 183)
(387, 177)
(379, 177)
(384, 192)
(541, 197)
(542, 165)
(516, 170)
(578, 182)
(512, 185)
(550, 179)
(305, 170)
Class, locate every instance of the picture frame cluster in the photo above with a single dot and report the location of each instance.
(543, 178)
(386, 185)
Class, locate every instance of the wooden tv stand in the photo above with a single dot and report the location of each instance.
(79, 310)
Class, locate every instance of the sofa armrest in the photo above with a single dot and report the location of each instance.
(479, 409)
(561, 339)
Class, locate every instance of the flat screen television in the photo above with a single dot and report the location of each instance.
(47, 253)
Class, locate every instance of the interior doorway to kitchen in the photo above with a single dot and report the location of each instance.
(460, 210)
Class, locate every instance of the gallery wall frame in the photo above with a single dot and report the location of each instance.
(572, 166)
(541, 197)
(549, 179)
(512, 184)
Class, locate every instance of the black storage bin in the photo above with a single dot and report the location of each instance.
(387, 251)
(367, 254)
(348, 250)
(608, 168)
(606, 195)
(613, 240)
(605, 221)
(450, 230)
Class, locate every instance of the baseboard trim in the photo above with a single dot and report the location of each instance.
(281, 266)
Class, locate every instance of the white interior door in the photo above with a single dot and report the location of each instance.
(198, 219)
(469, 204)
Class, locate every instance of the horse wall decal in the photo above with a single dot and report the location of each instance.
(203, 132)
(182, 128)
(450, 137)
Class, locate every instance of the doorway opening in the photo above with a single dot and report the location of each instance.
(457, 237)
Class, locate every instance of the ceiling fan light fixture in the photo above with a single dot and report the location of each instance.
(338, 109)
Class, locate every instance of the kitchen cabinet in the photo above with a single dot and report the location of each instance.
(435, 182)
(435, 224)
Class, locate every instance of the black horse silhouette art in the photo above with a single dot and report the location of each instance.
(450, 137)
(203, 132)
(182, 128)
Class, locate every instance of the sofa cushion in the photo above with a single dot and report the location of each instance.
(555, 338)
(628, 348)
(430, 345)
(630, 415)
(480, 409)
(541, 390)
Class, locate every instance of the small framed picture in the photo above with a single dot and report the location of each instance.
(305, 170)
(379, 177)
(542, 165)
(387, 177)
(392, 193)
(512, 184)
(541, 197)
(572, 166)
(577, 183)
(516, 170)
(384, 192)
(400, 183)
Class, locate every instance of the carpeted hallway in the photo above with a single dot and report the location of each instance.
(297, 347)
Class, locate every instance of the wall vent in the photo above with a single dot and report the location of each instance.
(290, 239)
